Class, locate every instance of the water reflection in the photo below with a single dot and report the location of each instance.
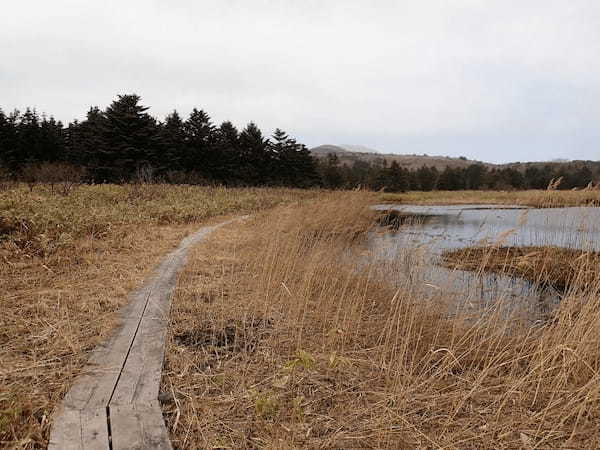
(411, 255)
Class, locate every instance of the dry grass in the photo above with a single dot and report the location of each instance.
(561, 268)
(535, 198)
(67, 263)
(279, 340)
(39, 222)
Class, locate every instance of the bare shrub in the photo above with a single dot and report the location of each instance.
(144, 175)
(64, 177)
(7, 180)
(177, 177)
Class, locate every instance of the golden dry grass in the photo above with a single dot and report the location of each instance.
(67, 263)
(561, 268)
(280, 340)
(535, 198)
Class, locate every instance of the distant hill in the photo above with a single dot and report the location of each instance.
(324, 150)
(358, 148)
(348, 154)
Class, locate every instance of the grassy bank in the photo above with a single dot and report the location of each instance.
(67, 263)
(279, 341)
(561, 268)
(535, 198)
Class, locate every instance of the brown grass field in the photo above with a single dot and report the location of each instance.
(67, 264)
(279, 340)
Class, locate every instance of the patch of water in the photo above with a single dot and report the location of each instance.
(412, 253)
(458, 226)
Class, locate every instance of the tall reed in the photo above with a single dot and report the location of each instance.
(280, 339)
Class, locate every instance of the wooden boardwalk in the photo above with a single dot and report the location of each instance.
(114, 404)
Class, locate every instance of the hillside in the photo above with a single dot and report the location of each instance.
(348, 154)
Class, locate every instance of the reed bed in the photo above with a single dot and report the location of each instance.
(67, 264)
(561, 268)
(534, 198)
(279, 339)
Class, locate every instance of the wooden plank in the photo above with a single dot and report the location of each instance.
(138, 428)
(126, 429)
(80, 430)
(140, 378)
(123, 376)
(94, 429)
(141, 375)
(94, 388)
(154, 429)
(66, 431)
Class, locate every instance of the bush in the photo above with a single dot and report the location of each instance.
(63, 177)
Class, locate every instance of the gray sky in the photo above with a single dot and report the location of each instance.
(494, 80)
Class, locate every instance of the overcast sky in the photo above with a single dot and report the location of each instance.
(493, 80)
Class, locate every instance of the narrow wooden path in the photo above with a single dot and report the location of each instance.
(114, 404)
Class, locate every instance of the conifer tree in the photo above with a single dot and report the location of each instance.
(226, 146)
(255, 156)
(130, 138)
(85, 143)
(8, 140)
(52, 140)
(293, 164)
(198, 130)
(29, 138)
(331, 174)
(173, 137)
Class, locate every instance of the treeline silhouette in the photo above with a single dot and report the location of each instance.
(124, 143)
(392, 177)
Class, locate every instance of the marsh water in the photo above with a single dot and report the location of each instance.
(412, 254)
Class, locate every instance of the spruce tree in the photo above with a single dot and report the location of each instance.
(293, 165)
(331, 174)
(29, 143)
(226, 146)
(130, 138)
(199, 138)
(8, 140)
(174, 140)
(255, 156)
(52, 140)
(85, 144)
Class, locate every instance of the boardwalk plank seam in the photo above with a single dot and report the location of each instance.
(113, 405)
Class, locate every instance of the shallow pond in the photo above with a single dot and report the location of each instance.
(411, 254)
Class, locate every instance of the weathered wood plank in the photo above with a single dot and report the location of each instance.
(123, 375)
(80, 430)
(155, 430)
(66, 431)
(138, 428)
(94, 429)
(94, 388)
(140, 378)
(126, 429)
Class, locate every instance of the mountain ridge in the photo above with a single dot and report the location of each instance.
(348, 154)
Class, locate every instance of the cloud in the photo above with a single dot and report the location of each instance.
(461, 77)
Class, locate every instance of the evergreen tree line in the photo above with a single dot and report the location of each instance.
(118, 143)
(124, 142)
(394, 178)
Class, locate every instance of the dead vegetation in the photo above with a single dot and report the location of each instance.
(561, 268)
(67, 263)
(549, 198)
(279, 339)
